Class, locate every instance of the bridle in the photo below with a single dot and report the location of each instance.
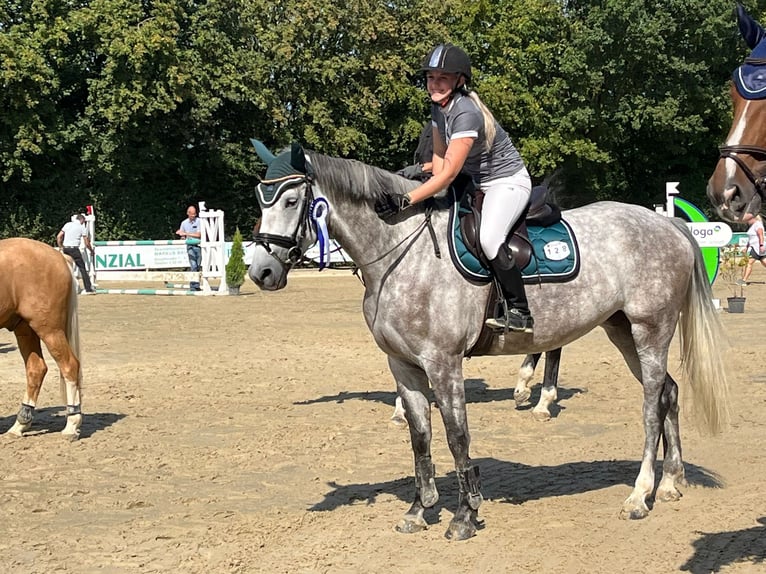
(756, 152)
(290, 242)
(731, 151)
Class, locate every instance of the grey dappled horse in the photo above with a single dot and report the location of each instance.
(639, 271)
(738, 183)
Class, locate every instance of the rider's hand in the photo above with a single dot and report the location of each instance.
(390, 204)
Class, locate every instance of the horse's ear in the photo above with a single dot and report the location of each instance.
(298, 158)
(752, 32)
(263, 152)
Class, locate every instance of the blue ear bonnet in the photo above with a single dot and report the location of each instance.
(750, 77)
(287, 170)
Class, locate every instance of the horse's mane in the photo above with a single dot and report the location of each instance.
(355, 179)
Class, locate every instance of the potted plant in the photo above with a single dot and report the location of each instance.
(235, 267)
(732, 261)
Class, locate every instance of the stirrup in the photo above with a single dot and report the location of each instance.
(512, 320)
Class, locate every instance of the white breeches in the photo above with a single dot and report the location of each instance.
(504, 200)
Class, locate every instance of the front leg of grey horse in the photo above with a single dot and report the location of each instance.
(412, 387)
(446, 376)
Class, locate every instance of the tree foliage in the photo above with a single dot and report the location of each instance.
(142, 107)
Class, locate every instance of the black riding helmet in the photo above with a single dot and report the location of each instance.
(448, 58)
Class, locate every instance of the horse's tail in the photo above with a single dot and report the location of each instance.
(73, 337)
(702, 337)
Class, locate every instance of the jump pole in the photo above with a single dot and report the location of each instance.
(213, 249)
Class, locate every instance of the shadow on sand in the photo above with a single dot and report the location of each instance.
(515, 483)
(476, 391)
(714, 550)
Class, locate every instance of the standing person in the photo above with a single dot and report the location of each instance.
(755, 245)
(190, 231)
(68, 240)
(468, 139)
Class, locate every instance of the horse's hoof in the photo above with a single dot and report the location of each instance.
(399, 421)
(17, 430)
(460, 531)
(634, 514)
(542, 416)
(70, 436)
(408, 525)
(521, 396)
(668, 495)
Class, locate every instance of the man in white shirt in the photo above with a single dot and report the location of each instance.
(68, 240)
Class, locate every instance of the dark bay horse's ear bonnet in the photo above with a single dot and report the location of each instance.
(752, 32)
(750, 77)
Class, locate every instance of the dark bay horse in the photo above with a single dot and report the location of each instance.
(641, 276)
(738, 183)
(38, 301)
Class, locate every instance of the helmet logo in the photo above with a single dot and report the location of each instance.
(435, 61)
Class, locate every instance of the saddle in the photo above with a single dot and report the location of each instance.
(538, 213)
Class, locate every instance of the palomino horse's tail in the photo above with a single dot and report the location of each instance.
(702, 338)
(73, 336)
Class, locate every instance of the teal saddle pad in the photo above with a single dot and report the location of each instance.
(555, 259)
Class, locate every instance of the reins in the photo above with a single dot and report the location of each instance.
(414, 234)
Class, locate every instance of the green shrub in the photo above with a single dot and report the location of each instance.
(235, 267)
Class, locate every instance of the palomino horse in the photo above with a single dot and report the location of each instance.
(426, 316)
(738, 183)
(38, 301)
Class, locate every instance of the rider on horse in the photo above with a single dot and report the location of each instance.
(468, 139)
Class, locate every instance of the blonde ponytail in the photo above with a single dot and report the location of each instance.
(489, 119)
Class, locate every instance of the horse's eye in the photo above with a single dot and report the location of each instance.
(292, 202)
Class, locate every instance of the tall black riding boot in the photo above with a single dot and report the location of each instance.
(516, 316)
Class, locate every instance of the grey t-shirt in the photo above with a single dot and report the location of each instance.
(462, 118)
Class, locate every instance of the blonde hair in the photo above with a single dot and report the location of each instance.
(489, 119)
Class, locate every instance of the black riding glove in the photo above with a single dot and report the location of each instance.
(390, 204)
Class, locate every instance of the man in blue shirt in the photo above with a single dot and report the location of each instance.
(190, 231)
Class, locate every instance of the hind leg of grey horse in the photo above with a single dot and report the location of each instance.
(412, 387)
(446, 376)
(36, 369)
(522, 391)
(660, 410)
(549, 392)
(673, 465)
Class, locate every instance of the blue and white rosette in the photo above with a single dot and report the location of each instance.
(319, 210)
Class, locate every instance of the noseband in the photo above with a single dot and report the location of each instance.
(289, 242)
(731, 151)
